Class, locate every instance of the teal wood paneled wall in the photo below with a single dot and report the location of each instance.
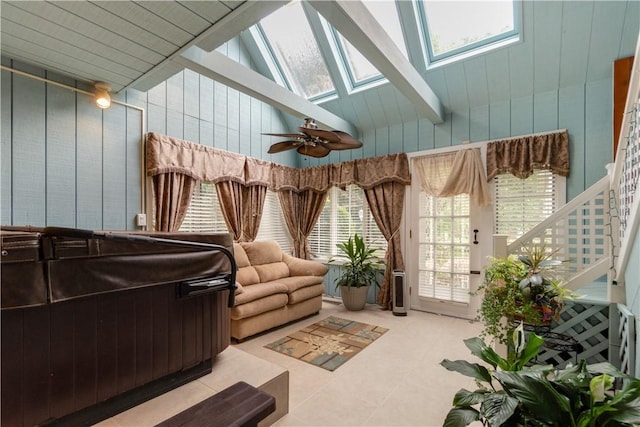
(585, 111)
(67, 163)
(64, 161)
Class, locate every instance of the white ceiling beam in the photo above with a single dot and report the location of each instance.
(354, 21)
(235, 75)
(242, 17)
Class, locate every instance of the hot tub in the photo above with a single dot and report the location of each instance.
(94, 323)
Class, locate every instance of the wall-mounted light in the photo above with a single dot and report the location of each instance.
(102, 97)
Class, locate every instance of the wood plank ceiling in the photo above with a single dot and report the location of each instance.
(134, 44)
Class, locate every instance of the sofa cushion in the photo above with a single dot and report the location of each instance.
(261, 305)
(272, 271)
(305, 293)
(240, 256)
(262, 252)
(294, 283)
(247, 276)
(304, 267)
(254, 292)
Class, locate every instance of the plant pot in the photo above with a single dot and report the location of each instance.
(353, 298)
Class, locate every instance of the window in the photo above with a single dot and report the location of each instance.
(289, 37)
(448, 32)
(345, 212)
(204, 214)
(272, 225)
(521, 204)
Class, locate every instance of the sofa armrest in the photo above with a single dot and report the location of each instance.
(304, 267)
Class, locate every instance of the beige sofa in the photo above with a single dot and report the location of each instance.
(273, 288)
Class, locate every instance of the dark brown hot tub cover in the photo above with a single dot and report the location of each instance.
(48, 265)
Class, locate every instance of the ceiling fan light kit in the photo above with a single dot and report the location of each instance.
(314, 142)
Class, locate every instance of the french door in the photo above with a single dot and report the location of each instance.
(447, 242)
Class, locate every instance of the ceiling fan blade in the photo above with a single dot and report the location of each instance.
(286, 135)
(347, 142)
(313, 151)
(283, 146)
(327, 135)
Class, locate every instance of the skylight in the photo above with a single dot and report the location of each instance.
(291, 41)
(360, 69)
(450, 32)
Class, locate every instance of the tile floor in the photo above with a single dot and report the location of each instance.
(396, 381)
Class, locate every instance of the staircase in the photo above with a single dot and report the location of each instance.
(595, 233)
(581, 233)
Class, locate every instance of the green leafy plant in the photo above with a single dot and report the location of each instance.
(521, 288)
(362, 267)
(511, 394)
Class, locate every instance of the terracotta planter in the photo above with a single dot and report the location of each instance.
(353, 298)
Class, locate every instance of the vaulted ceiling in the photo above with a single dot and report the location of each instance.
(138, 44)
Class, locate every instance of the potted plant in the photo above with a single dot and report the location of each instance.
(521, 289)
(358, 273)
(510, 393)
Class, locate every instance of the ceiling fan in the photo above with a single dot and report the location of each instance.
(314, 142)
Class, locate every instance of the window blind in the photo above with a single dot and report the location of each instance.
(345, 213)
(520, 204)
(204, 214)
(272, 225)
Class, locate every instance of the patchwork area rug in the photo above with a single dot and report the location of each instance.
(328, 343)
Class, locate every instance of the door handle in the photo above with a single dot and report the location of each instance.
(474, 272)
(475, 236)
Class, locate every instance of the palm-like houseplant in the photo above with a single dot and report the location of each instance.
(359, 272)
(521, 288)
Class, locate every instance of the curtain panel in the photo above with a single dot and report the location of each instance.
(520, 156)
(230, 198)
(386, 201)
(172, 194)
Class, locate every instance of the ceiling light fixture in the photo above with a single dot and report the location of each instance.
(101, 96)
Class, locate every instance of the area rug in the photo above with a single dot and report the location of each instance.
(328, 343)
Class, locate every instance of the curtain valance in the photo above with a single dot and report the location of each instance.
(520, 156)
(374, 171)
(366, 173)
(166, 154)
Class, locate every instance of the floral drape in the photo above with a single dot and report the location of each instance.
(241, 207)
(230, 198)
(386, 201)
(301, 211)
(172, 191)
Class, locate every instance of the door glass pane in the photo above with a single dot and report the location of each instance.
(444, 253)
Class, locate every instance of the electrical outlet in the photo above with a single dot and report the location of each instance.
(141, 220)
